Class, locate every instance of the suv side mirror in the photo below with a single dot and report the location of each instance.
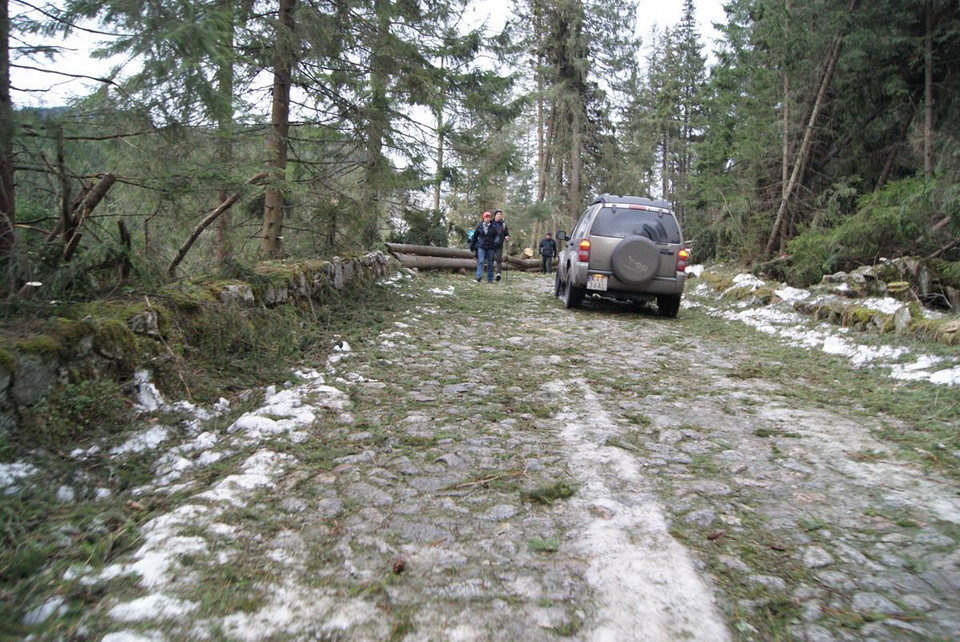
(561, 235)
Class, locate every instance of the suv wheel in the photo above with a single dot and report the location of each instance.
(668, 305)
(557, 283)
(635, 260)
(572, 296)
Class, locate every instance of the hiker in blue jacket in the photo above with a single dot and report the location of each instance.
(483, 244)
(548, 247)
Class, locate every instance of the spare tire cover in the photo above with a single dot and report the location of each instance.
(635, 260)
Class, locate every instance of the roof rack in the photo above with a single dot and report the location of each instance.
(634, 200)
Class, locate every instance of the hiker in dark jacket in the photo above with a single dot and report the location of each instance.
(548, 248)
(484, 242)
(504, 237)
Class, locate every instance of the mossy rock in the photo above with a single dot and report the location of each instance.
(190, 297)
(898, 287)
(41, 345)
(860, 317)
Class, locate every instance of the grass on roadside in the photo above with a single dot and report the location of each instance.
(919, 417)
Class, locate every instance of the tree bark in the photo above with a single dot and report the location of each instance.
(272, 235)
(928, 94)
(126, 242)
(575, 156)
(545, 160)
(541, 125)
(225, 83)
(8, 236)
(808, 133)
(785, 170)
(441, 139)
(377, 109)
(894, 150)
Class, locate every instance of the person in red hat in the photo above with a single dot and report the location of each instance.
(484, 243)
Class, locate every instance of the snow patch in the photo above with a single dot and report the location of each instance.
(152, 607)
(148, 397)
(143, 441)
(449, 291)
(645, 582)
(11, 473)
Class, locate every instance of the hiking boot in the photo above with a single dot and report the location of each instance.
(478, 279)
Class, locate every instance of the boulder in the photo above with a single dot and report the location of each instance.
(33, 378)
(902, 319)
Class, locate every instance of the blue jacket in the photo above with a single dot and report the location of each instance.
(487, 239)
(547, 247)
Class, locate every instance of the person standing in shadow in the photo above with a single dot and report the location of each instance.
(504, 236)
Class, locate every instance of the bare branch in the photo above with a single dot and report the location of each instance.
(205, 223)
(108, 81)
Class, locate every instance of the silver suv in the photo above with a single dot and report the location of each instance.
(623, 247)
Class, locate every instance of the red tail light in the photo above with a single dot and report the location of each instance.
(583, 251)
(682, 256)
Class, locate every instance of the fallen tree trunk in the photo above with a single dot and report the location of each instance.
(429, 250)
(428, 257)
(413, 261)
(522, 264)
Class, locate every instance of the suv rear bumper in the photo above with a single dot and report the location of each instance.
(657, 285)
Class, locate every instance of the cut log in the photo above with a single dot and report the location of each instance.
(522, 264)
(428, 257)
(429, 250)
(412, 261)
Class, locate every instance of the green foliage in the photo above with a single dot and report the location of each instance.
(812, 255)
(947, 271)
(885, 224)
(422, 228)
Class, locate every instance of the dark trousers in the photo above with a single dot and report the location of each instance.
(546, 263)
(498, 258)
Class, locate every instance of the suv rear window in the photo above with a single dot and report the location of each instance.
(622, 222)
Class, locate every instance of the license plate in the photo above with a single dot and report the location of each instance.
(597, 282)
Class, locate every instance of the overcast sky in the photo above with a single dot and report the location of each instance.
(666, 13)
(650, 13)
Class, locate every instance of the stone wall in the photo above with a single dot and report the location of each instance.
(64, 348)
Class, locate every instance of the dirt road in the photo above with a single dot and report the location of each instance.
(494, 467)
